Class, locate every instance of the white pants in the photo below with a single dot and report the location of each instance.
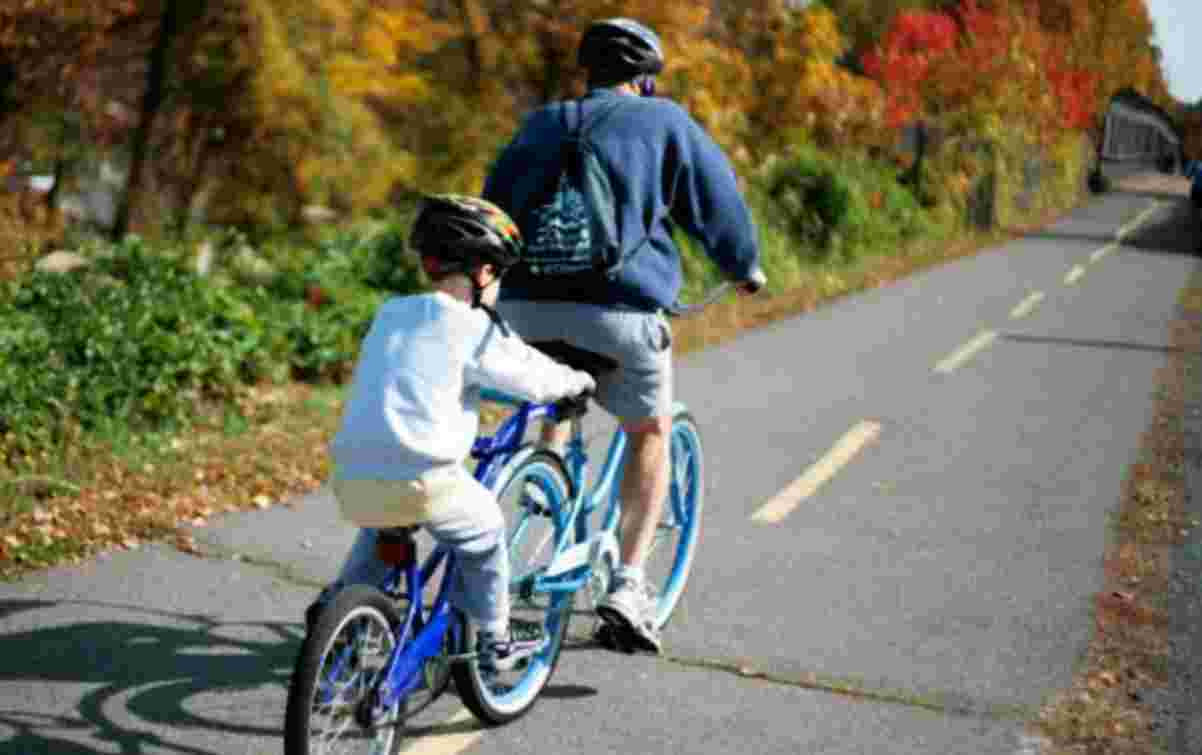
(458, 512)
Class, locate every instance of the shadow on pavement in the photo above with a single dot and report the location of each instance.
(1177, 229)
(1095, 343)
(147, 672)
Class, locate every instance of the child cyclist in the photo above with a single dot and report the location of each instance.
(412, 414)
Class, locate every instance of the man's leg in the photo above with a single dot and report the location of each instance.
(644, 482)
(629, 609)
(644, 486)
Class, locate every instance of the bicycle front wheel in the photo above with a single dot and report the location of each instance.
(678, 532)
(534, 492)
(330, 706)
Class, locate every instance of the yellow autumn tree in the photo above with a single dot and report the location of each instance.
(771, 74)
(312, 126)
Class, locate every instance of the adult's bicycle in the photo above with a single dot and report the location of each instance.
(562, 528)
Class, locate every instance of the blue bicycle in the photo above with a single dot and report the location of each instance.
(378, 655)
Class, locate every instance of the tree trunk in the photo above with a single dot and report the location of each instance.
(156, 78)
(470, 14)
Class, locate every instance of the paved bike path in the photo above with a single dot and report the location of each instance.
(948, 564)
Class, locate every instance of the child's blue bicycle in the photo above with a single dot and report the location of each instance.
(377, 655)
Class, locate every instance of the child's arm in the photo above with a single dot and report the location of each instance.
(512, 366)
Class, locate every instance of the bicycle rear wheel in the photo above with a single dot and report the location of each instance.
(670, 557)
(329, 700)
(534, 492)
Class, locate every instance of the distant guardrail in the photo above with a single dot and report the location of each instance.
(1136, 129)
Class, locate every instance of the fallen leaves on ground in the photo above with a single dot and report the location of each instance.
(1105, 711)
(122, 504)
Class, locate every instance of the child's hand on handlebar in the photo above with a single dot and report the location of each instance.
(584, 383)
(570, 407)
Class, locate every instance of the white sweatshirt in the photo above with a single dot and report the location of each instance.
(413, 404)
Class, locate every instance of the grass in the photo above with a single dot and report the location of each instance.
(120, 490)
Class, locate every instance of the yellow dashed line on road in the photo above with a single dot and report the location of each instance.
(1074, 275)
(1098, 255)
(816, 476)
(1027, 305)
(961, 355)
(457, 737)
(1138, 221)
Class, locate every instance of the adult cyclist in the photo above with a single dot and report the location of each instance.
(666, 173)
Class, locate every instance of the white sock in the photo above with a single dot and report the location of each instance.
(625, 572)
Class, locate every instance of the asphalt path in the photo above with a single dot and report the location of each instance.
(907, 505)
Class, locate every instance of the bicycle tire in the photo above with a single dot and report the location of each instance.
(355, 608)
(678, 532)
(502, 697)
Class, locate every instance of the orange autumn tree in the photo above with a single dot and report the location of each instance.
(312, 125)
(754, 73)
(48, 54)
(769, 75)
(500, 59)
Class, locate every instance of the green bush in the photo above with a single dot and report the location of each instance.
(831, 207)
(139, 339)
(809, 199)
(136, 338)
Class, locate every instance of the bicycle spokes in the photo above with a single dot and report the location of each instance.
(345, 696)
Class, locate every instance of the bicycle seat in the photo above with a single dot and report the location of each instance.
(396, 545)
(578, 359)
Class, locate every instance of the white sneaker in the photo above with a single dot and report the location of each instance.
(629, 610)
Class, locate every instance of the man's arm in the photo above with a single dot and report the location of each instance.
(707, 202)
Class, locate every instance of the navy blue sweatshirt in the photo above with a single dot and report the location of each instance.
(664, 170)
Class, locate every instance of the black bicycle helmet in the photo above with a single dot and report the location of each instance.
(619, 49)
(455, 234)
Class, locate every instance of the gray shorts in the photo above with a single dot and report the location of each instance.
(640, 342)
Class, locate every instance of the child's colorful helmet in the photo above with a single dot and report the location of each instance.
(456, 233)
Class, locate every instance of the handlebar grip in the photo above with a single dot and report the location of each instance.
(755, 281)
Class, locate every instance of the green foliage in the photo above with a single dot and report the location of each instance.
(138, 339)
(836, 208)
(811, 200)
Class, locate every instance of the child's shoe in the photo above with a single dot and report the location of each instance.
(524, 639)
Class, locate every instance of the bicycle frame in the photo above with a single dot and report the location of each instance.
(407, 658)
(578, 549)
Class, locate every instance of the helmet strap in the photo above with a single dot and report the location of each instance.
(478, 303)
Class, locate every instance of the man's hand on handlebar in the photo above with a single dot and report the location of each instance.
(755, 281)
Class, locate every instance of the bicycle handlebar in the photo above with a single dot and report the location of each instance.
(754, 283)
(571, 407)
